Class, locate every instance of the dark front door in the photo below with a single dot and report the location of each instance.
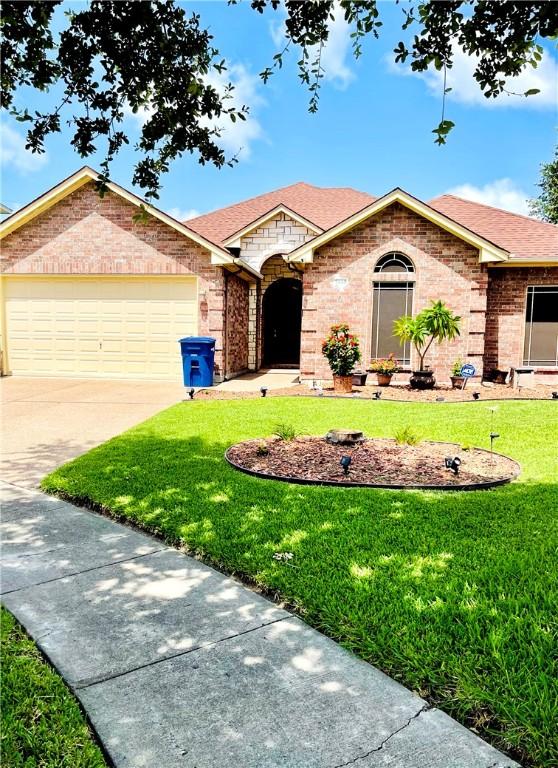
(282, 318)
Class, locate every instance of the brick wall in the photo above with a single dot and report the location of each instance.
(505, 322)
(84, 234)
(281, 234)
(446, 268)
(237, 325)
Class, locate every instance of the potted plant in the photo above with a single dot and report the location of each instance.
(384, 368)
(457, 380)
(342, 350)
(435, 323)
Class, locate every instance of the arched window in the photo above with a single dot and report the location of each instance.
(394, 262)
(390, 301)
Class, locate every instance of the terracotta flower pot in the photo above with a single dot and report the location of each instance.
(457, 382)
(422, 380)
(343, 385)
(384, 379)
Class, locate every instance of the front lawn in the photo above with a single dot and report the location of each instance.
(42, 724)
(453, 594)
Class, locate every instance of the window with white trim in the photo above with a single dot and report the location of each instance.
(540, 347)
(390, 301)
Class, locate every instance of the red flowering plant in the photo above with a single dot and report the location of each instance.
(387, 365)
(342, 350)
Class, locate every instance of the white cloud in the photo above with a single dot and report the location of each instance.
(183, 214)
(502, 193)
(14, 154)
(334, 52)
(236, 138)
(466, 90)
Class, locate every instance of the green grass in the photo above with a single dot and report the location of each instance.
(42, 724)
(453, 594)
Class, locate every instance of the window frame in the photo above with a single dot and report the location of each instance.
(409, 267)
(377, 287)
(528, 329)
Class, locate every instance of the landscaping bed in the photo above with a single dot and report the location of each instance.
(454, 595)
(378, 462)
(400, 392)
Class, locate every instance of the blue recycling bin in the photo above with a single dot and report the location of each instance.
(198, 358)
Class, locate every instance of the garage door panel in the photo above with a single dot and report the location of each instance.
(102, 327)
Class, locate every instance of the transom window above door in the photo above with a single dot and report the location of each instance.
(394, 262)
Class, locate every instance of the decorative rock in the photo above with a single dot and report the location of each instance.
(344, 437)
(487, 384)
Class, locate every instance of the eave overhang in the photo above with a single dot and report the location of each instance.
(219, 256)
(489, 253)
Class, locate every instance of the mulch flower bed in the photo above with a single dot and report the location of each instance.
(440, 393)
(377, 462)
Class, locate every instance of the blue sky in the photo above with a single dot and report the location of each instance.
(372, 131)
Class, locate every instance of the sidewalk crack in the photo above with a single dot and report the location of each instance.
(78, 573)
(87, 683)
(424, 708)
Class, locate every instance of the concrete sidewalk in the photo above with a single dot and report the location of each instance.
(179, 666)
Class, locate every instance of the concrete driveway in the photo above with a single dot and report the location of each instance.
(46, 422)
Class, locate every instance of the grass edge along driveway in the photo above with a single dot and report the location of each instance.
(452, 594)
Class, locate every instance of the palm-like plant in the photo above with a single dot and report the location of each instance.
(435, 323)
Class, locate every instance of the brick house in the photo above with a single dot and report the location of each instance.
(90, 290)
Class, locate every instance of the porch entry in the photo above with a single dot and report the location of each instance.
(282, 320)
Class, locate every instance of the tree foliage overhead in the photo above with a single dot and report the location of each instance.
(113, 58)
(545, 206)
(154, 56)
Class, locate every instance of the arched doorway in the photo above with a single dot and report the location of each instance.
(282, 319)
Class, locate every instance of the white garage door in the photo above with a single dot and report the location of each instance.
(101, 327)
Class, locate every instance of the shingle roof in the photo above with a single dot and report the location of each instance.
(523, 237)
(323, 206)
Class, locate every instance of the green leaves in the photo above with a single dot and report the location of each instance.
(153, 58)
(435, 323)
(149, 57)
(546, 205)
(444, 127)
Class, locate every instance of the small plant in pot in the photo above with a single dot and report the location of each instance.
(435, 323)
(457, 380)
(384, 368)
(342, 350)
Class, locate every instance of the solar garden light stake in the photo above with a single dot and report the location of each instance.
(555, 395)
(345, 463)
(493, 434)
(377, 395)
(453, 463)
(263, 390)
(476, 395)
(191, 393)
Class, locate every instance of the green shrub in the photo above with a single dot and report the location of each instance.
(286, 432)
(406, 436)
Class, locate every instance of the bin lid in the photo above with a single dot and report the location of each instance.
(198, 339)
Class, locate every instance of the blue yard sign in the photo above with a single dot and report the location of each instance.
(467, 370)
